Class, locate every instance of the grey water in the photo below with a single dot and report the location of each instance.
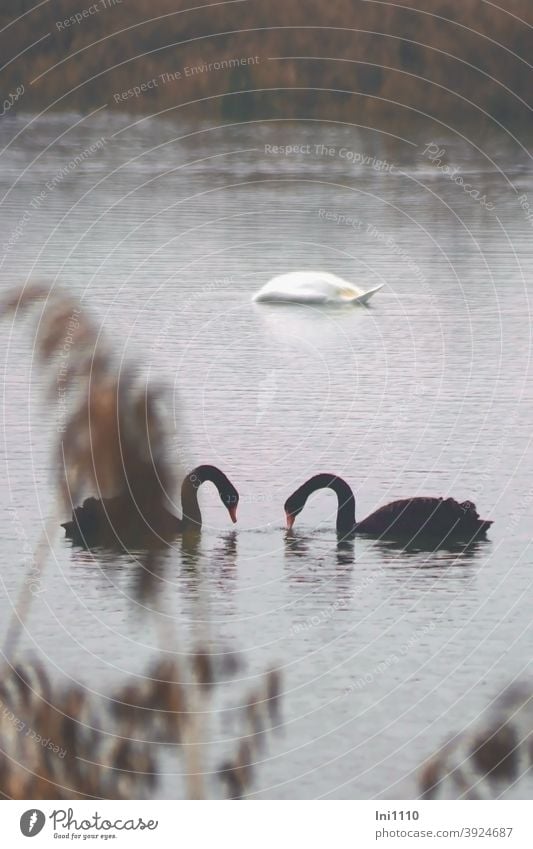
(165, 231)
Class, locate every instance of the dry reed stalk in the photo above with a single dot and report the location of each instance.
(487, 761)
(37, 567)
(114, 443)
(107, 743)
(261, 709)
(60, 743)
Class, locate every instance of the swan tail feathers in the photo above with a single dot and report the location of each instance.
(365, 297)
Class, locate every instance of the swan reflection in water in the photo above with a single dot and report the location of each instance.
(421, 553)
(305, 567)
(150, 572)
(446, 553)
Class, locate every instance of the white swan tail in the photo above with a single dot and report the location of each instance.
(365, 297)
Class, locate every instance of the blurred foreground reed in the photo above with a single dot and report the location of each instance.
(66, 742)
(488, 760)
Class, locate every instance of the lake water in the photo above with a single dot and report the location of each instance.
(166, 231)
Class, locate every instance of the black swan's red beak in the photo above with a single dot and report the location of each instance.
(289, 518)
(233, 513)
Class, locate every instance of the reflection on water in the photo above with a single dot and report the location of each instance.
(428, 392)
(446, 554)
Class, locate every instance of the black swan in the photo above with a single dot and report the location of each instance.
(120, 520)
(437, 518)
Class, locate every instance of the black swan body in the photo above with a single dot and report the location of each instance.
(121, 521)
(440, 519)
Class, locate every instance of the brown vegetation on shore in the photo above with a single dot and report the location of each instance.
(356, 60)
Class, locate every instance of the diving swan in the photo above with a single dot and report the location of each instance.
(436, 518)
(119, 520)
(312, 287)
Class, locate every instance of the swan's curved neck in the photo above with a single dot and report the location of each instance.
(189, 497)
(345, 498)
(189, 492)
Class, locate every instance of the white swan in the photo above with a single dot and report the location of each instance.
(312, 287)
